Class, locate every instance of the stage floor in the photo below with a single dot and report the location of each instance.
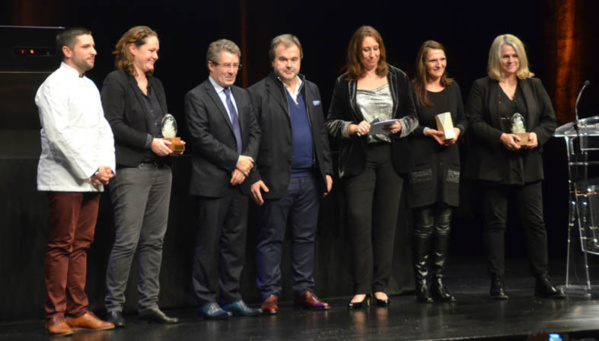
(474, 317)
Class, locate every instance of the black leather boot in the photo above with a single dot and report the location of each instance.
(497, 288)
(440, 247)
(544, 288)
(421, 251)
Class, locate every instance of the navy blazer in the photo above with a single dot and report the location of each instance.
(126, 113)
(269, 99)
(214, 150)
(487, 158)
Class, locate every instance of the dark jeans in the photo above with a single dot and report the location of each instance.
(298, 208)
(529, 202)
(220, 247)
(372, 208)
(72, 224)
(140, 198)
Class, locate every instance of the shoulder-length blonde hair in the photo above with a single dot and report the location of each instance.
(123, 59)
(355, 68)
(494, 66)
(419, 81)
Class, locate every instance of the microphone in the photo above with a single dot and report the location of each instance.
(584, 86)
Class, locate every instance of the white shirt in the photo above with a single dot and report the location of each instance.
(298, 88)
(76, 138)
(223, 97)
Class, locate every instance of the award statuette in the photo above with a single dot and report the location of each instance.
(169, 131)
(445, 125)
(519, 128)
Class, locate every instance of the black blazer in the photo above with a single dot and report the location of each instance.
(214, 151)
(352, 151)
(487, 158)
(126, 113)
(269, 99)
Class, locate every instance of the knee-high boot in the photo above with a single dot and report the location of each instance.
(422, 243)
(440, 247)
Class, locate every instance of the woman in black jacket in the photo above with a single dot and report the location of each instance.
(434, 178)
(371, 165)
(511, 117)
(135, 104)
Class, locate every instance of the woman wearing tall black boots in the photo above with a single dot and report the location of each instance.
(435, 174)
(511, 117)
(370, 165)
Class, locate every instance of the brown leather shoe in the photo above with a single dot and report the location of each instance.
(310, 301)
(89, 321)
(58, 326)
(271, 305)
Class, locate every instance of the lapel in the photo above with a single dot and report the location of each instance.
(274, 91)
(140, 99)
(152, 84)
(352, 90)
(493, 101)
(391, 79)
(531, 104)
(211, 92)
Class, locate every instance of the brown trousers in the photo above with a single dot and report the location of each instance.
(72, 224)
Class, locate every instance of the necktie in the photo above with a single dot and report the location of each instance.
(234, 120)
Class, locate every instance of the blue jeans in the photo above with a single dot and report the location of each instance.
(299, 207)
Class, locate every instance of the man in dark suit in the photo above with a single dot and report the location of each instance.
(293, 172)
(225, 138)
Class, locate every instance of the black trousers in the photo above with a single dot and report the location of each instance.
(372, 207)
(220, 247)
(529, 202)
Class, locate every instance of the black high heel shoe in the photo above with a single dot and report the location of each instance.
(365, 303)
(382, 303)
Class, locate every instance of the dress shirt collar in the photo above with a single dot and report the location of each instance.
(216, 86)
(71, 71)
(298, 88)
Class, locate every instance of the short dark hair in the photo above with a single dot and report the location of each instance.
(69, 37)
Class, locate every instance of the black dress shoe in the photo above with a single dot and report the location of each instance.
(497, 291)
(544, 288)
(212, 311)
(365, 303)
(157, 316)
(116, 318)
(239, 308)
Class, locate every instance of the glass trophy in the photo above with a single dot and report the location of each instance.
(518, 127)
(169, 132)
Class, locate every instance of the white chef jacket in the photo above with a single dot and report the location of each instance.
(76, 138)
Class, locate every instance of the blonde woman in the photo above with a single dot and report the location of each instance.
(509, 167)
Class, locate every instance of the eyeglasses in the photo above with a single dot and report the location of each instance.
(228, 65)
